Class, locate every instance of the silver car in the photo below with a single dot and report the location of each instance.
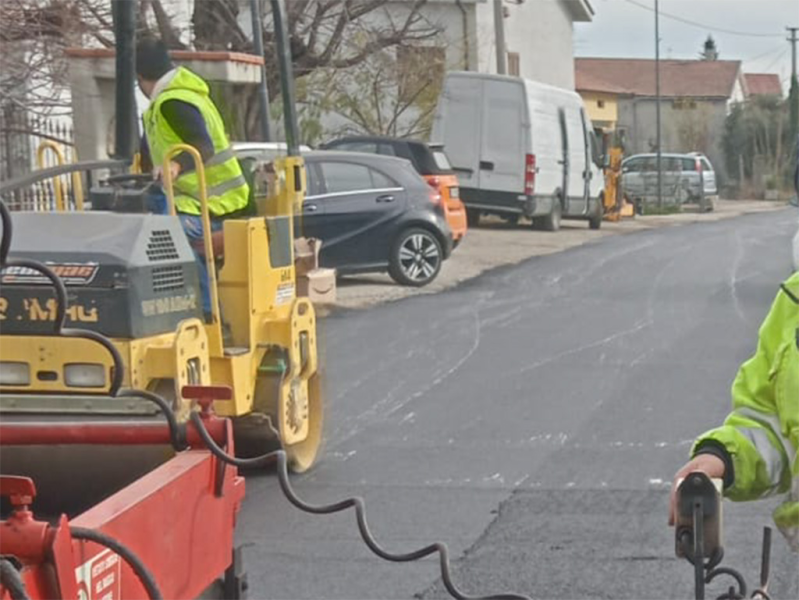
(684, 175)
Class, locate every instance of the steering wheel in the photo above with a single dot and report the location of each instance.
(135, 179)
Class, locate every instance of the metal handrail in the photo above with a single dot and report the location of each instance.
(24, 181)
(77, 184)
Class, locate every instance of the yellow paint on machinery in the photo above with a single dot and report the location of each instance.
(614, 200)
(269, 358)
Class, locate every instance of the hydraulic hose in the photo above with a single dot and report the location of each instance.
(134, 562)
(11, 581)
(279, 457)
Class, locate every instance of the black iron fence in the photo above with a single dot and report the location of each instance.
(28, 142)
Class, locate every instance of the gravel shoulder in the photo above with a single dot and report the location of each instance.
(496, 244)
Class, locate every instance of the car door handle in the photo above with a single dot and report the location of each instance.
(310, 207)
(486, 165)
(384, 199)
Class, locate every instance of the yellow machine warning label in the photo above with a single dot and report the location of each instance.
(285, 293)
(172, 304)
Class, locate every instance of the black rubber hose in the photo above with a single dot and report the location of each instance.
(279, 456)
(5, 240)
(11, 581)
(58, 287)
(142, 572)
(177, 433)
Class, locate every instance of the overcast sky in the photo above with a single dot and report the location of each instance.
(623, 28)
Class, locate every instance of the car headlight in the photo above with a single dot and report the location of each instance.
(84, 375)
(15, 373)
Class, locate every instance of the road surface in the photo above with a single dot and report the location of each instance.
(532, 419)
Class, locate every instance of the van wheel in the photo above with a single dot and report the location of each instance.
(416, 258)
(595, 222)
(552, 220)
(472, 217)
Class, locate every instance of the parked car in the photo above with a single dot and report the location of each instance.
(373, 213)
(682, 179)
(262, 150)
(520, 148)
(430, 162)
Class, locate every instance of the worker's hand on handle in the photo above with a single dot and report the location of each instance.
(709, 464)
(158, 171)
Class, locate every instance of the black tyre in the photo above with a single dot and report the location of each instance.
(552, 220)
(416, 257)
(595, 222)
(472, 217)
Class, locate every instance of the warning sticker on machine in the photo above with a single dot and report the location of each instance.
(70, 273)
(285, 293)
(100, 578)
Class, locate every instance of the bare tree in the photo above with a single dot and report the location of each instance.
(324, 35)
(392, 93)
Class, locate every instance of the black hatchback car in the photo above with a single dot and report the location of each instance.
(374, 213)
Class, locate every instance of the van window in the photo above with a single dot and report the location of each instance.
(706, 164)
(688, 164)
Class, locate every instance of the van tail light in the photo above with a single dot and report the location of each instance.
(698, 166)
(529, 175)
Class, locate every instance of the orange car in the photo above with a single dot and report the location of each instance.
(429, 161)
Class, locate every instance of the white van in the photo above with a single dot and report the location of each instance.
(520, 148)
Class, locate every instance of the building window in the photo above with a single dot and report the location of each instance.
(600, 104)
(420, 69)
(513, 64)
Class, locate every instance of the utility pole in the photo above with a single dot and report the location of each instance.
(657, 103)
(793, 96)
(123, 13)
(499, 34)
(263, 91)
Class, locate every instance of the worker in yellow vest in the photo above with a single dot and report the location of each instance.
(182, 112)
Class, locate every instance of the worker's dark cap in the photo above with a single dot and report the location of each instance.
(152, 58)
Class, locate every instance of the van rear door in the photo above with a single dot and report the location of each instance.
(503, 140)
(458, 127)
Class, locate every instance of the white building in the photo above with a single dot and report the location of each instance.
(539, 35)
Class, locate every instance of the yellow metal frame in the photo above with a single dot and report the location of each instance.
(215, 333)
(273, 331)
(77, 183)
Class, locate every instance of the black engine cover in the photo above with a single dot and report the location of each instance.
(127, 276)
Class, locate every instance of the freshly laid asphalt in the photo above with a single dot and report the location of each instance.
(532, 419)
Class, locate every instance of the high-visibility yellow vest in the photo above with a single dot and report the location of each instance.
(227, 189)
(761, 434)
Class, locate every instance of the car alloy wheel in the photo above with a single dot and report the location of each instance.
(416, 258)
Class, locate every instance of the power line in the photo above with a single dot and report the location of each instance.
(776, 60)
(702, 25)
(780, 48)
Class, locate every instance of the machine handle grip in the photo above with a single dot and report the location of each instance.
(19, 490)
